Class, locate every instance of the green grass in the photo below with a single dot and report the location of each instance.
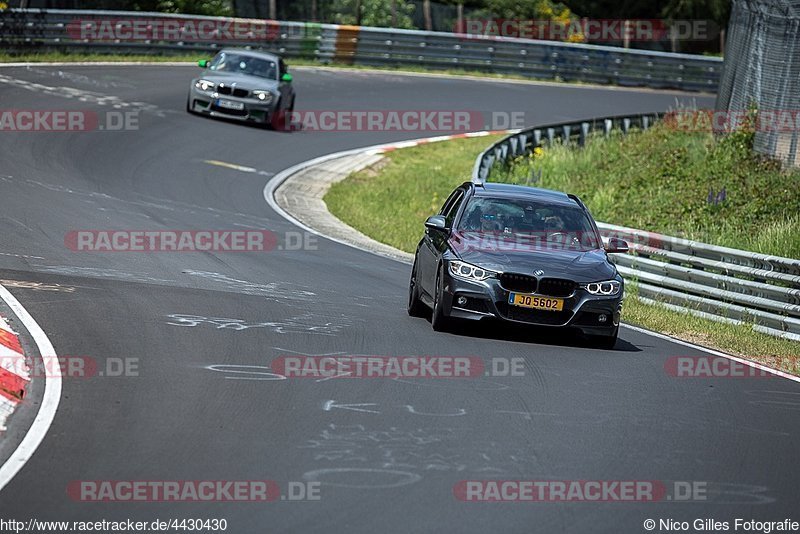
(660, 180)
(740, 340)
(413, 185)
(390, 204)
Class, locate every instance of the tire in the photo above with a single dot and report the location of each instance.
(606, 342)
(415, 307)
(439, 321)
(188, 106)
(279, 119)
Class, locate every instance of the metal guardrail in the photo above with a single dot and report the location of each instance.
(53, 30)
(711, 281)
(59, 29)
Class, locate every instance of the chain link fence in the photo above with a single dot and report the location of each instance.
(762, 70)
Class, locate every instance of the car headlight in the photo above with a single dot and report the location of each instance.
(205, 85)
(263, 96)
(606, 289)
(467, 271)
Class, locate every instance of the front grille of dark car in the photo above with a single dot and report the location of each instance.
(235, 91)
(556, 287)
(518, 282)
(516, 313)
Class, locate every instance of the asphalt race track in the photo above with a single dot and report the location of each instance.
(387, 453)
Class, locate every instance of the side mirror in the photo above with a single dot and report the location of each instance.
(436, 222)
(616, 245)
(203, 63)
(286, 78)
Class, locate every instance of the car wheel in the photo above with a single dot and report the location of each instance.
(606, 342)
(439, 321)
(189, 106)
(278, 119)
(415, 307)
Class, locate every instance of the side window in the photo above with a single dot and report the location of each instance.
(450, 214)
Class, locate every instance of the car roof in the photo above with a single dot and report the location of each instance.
(491, 189)
(254, 53)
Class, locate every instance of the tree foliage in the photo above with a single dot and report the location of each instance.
(374, 13)
(217, 8)
(529, 9)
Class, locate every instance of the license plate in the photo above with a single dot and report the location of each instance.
(537, 303)
(229, 104)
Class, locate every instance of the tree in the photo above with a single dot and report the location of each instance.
(374, 13)
(218, 8)
(529, 10)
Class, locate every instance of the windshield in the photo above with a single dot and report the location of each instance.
(243, 64)
(530, 223)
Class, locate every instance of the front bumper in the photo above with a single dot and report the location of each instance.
(489, 300)
(253, 110)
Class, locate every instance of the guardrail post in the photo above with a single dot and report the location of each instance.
(522, 140)
(584, 133)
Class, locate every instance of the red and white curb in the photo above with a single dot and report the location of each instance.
(14, 372)
(51, 396)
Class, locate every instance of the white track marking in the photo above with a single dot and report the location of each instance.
(51, 398)
(234, 166)
(712, 351)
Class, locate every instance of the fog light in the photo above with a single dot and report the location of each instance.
(602, 318)
(462, 301)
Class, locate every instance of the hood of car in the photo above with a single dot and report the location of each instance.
(550, 262)
(242, 80)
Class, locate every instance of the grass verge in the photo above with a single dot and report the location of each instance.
(673, 182)
(739, 340)
(391, 203)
